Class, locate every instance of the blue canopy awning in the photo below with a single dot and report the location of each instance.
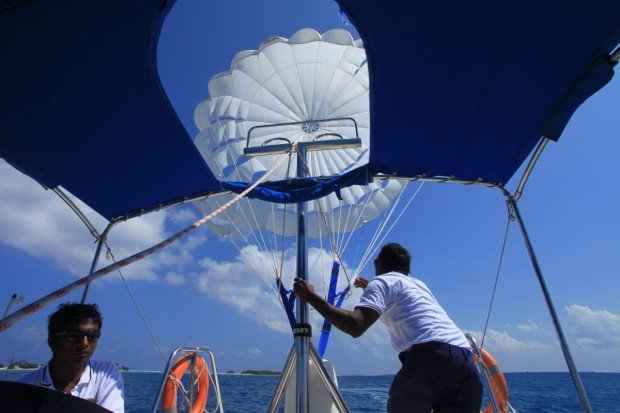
(82, 106)
(467, 89)
(458, 89)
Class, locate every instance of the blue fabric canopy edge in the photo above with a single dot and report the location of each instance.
(299, 190)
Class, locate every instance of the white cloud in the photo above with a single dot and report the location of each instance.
(594, 329)
(175, 278)
(502, 342)
(182, 216)
(38, 222)
(255, 352)
(238, 284)
(532, 327)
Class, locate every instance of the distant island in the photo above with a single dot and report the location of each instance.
(28, 365)
(122, 367)
(262, 372)
(20, 365)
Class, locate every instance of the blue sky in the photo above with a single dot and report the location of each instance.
(200, 292)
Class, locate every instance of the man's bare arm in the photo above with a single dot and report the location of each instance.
(354, 323)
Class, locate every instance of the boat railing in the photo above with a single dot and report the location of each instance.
(210, 359)
(486, 379)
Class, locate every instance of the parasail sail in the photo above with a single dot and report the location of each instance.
(309, 88)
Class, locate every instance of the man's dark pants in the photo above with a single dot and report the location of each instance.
(438, 377)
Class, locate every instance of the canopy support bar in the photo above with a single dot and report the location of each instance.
(530, 167)
(615, 55)
(556, 321)
(77, 211)
(100, 242)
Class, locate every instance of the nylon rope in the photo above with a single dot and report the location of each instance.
(330, 238)
(110, 255)
(373, 245)
(279, 271)
(370, 198)
(11, 319)
(268, 264)
(238, 177)
(366, 256)
(260, 273)
(511, 218)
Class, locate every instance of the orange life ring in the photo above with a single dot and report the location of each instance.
(169, 396)
(497, 381)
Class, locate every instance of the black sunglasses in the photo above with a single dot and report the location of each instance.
(91, 335)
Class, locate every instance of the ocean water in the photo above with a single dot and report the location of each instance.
(529, 392)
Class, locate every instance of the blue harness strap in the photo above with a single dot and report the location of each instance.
(288, 300)
(331, 297)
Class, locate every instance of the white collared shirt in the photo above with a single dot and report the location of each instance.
(410, 312)
(101, 383)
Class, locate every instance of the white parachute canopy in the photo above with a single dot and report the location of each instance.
(320, 84)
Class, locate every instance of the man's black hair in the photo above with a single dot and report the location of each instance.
(395, 257)
(72, 314)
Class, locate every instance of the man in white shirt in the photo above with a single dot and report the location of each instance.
(73, 333)
(437, 373)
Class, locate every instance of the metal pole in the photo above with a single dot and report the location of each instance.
(8, 307)
(284, 379)
(101, 239)
(92, 267)
(482, 371)
(556, 321)
(302, 341)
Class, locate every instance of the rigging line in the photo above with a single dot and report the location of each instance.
(258, 271)
(110, 255)
(263, 261)
(511, 218)
(242, 235)
(249, 204)
(37, 305)
(274, 232)
(254, 227)
(371, 196)
(331, 243)
(288, 174)
(376, 241)
(323, 218)
(398, 217)
(375, 238)
(322, 213)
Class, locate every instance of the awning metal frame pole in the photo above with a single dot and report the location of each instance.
(93, 266)
(554, 316)
(530, 167)
(99, 237)
(512, 202)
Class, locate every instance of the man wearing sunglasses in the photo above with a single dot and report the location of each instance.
(437, 371)
(73, 333)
